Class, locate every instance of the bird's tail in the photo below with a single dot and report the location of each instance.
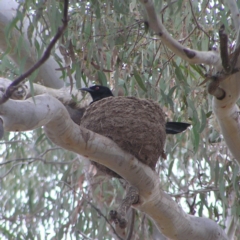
(176, 127)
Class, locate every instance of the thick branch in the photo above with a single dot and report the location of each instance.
(228, 118)
(191, 56)
(72, 100)
(228, 90)
(168, 216)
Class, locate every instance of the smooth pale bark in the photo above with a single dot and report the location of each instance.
(65, 95)
(226, 110)
(47, 73)
(47, 111)
(168, 216)
(190, 55)
(227, 113)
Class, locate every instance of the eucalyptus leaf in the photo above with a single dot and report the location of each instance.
(139, 80)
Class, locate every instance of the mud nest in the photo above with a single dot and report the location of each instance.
(135, 125)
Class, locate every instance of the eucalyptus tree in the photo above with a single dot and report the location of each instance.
(166, 51)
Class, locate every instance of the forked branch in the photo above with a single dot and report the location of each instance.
(190, 55)
(13, 86)
(228, 64)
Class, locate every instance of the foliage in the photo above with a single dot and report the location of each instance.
(47, 192)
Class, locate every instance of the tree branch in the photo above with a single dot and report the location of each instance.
(119, 216)
(227, 113)
(45, 56)
(191, 56)
(64, 95)
(223, 37)
(196, 22)
(47, 72)
(49, 112)
(228, 90)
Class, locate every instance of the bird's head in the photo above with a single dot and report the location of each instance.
(98, 92)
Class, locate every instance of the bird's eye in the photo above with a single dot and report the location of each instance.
(96, 88)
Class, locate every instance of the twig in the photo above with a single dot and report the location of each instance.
(168, 5)
(85, 236)
(11, 88)
(15, 165)
(34, 159)
(119, 216)
(184, 39)
(198, 26)
(190, 55)
(130, 230)
(1, 129)
(192, 193)
(48, 150)
(97, 210)
(227, 64)
(223, 37)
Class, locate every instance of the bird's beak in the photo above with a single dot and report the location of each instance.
(86, 89)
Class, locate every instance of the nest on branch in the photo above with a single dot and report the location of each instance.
(135, 125)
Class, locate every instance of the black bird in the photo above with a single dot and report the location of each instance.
(99, 92)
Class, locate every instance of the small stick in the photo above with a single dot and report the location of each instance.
(224, 49)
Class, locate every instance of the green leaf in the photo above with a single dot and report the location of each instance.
(196, 138)
(235, 179)
(78, 75)
(139, 80)
(12, 25)
(198, 69)
(209, 114)
(87, 29)
(170, 168)
(217, 168)
(97, 10)
(180, 76)
(102, 78)
(203, 121)
(38, 48)
(193, 113)
(222, 187)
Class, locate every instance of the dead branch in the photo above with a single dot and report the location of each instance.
(216, 91)
(228, 65)
(223, 37)
(119, 216)
(196, 22)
